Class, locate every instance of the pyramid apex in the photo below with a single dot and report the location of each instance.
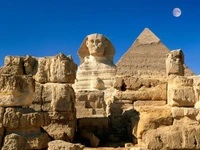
(147, 37)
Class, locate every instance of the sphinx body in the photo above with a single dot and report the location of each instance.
(97, 70)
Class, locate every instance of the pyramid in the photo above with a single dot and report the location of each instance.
(146, 56)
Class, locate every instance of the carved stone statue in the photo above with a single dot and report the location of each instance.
(96, 63)
(96, 46)
(95, 76)
(175, 62)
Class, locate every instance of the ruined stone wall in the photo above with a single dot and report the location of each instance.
(37, 102)
(40, 109)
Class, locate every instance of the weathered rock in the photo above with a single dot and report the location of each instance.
(196, 87)
(197, 105)
(90, 103)
(148, 103)
(58, 97)
(173, 137)
(30, 65)
(140, 89)
(57, 69)
(61, 131)
(181, 92)
(17, 142)
(14, 142)
(22, 118)
(152, 118)
(175, 63)
(16, 90)
(185, 120)
(178, 112)
(13, 65)
(62, 145)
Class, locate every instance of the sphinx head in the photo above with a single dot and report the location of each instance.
(96, 45)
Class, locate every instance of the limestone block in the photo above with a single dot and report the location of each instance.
(197, 105)
(170, 137)
(16, 90)
(30, 65)
(173, 137)
(152, 119)
(140, 103)
(178, 112)
(18, 142)
(37, 97)
(155, 94)
(180, 92)
(90, 103)
(27, 120)
(62, 117)
(185, 120)
(42, 70)
(60, 131)
(16, 118)
(82, 112)
(133, 88)
(175, 63)
(95, 100)
(117, 108)
(38, 141)
(62, 145)
(13, 65)
(57, 69)
(196, 86)
(135, 83)
(58, 97)
(14, 142)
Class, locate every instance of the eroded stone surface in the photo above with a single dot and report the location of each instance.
(18, 142)
(58, 97)
(152, 118)
(173, 137)
(57, 69)
(175, 63)
(62, 145)
(16, 90)
(140, 89)
(90, 104)
(180, 91)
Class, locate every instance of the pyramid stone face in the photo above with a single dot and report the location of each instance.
(147, 37)
(146, 56)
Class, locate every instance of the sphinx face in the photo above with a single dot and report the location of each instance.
(96, 44)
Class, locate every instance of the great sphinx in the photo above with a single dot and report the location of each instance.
(96, 63)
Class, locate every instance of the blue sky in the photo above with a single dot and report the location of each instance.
(48, 27)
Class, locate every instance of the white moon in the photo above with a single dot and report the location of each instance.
(176, 12)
